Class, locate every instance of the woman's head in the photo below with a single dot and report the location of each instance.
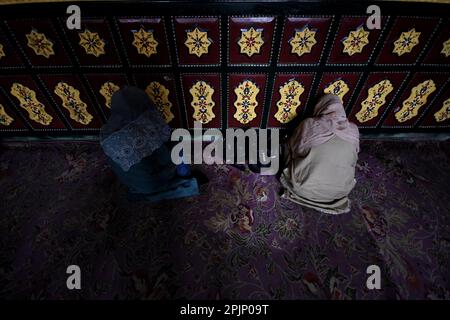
(329, 104)
(130, 103)
(127, 104)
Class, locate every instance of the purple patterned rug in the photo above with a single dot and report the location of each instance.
(61, 205)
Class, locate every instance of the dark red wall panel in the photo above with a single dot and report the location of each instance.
(407, 40)
(251, 90)
(376, 96)
(250, 64)
(303, 40)
(250, 40)
(145, 41)
(40, 42)
(24, 93)
(72, 99)
(295, 90)
(197, 40)
(417, 96)
(202, 98)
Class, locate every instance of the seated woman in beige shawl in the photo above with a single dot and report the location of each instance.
(321, 159)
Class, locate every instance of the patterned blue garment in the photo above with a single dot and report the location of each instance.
(133, 141)
(137, 140)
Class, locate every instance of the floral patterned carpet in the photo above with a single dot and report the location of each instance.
(61, 205)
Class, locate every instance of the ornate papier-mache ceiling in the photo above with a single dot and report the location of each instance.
(264, 68)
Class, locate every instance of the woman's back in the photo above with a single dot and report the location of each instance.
(327, 172)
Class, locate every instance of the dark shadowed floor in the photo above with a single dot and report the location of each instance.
(61, 205)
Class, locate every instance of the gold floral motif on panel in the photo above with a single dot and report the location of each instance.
(376, 98)
(303, 41)
(406, 42)
(5, 119)
(415, 101)
(356, 41)
(145, 42)
(197, 42)
(246, 102)
(159, 96)
(290, 94)
(202, 102)
(28, 101)
(107, 90)
(444, 113)
(92, 43)
(71, 101)
(251, 41)
(338, 87)
(40, 44)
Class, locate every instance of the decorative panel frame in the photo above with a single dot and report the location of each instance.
(125, 26)
(439, 53)
(238, 27)
(6, 85)
(351, 79)
(233, 81)
(94, 30)
(403, 29)
(418, 83)
(318, 24)
(191, 81)
(101, 86)
(9, 58)
(372, 82)
(116, 23)
(349, 29)
(92, 118)
(10, 120)
(206, 27)
(429, 118)
(281, 79)
(39, 42)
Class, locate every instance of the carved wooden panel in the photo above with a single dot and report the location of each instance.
(440, 50)
(8, 55)
(93, 45)
(103, 87)
(438, 115)
(407, 40)
(341, 84)
(10, 120)
(354, 43)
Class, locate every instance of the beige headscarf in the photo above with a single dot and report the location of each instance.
(329, 120)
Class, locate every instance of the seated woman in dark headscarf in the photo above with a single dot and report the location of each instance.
(321, 159)
(133, 141)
